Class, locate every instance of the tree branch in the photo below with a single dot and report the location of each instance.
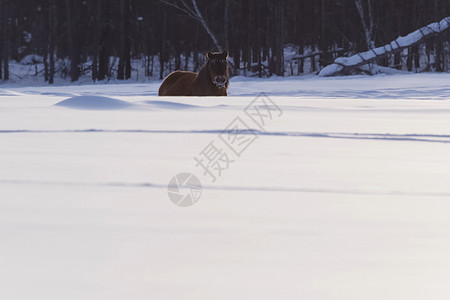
(186, 9)
(195, 14)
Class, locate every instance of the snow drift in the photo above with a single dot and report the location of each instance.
(94, 102)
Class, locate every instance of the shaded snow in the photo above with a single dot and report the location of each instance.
(94, 102)
(169, 104)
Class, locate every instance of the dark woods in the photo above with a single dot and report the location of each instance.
(123, 38)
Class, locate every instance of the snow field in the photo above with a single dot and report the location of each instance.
(345, 196)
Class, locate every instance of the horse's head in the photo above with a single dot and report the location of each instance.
(218, 68)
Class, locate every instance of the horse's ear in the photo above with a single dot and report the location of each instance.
(225, 54)
(209, 54)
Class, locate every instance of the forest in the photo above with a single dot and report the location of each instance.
(106, 39)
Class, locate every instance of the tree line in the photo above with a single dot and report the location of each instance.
(102, 37)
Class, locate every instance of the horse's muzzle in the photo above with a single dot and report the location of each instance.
(220, 81)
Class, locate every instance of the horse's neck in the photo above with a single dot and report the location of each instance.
(203, 77)
(203, 81)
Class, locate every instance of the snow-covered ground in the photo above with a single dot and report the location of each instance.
(345, 195)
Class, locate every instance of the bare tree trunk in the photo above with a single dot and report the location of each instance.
(45, 37)
(97, 28)
(260, 65)
(103, 53)
(152, 64)
(121, 67)
(301, 63)
(127, 61)
(237, 61)
(409, 60)
(73, 51)
(51, 40)
(279, 38)
(6, 54)
(226, 23)
(5, 39)
(124, 69)
(196, 62)
(177, 60)
(186, 60)
(415, 50)
(325, 57)
(438, 60)
(45, 61)
(103, 64)
(1, 55)
(367, 23)
(398, 60)
(162, 52)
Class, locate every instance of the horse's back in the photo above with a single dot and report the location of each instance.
(178, 83)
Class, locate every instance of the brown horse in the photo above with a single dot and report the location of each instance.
(212, 80)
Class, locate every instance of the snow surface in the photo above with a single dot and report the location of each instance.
(344, 196)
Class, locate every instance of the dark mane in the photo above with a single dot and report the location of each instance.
(212, 80)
